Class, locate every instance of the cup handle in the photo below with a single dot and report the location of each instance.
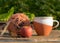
(57, 23)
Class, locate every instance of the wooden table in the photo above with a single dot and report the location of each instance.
(54, 37)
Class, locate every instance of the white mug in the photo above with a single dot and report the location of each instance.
(44, 25)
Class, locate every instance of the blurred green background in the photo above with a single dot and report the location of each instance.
(36, 7)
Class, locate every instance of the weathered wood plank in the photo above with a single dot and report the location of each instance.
(54, 36)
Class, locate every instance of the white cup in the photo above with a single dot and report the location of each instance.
(44, 25)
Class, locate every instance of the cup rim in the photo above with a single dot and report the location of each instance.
(43, 17)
